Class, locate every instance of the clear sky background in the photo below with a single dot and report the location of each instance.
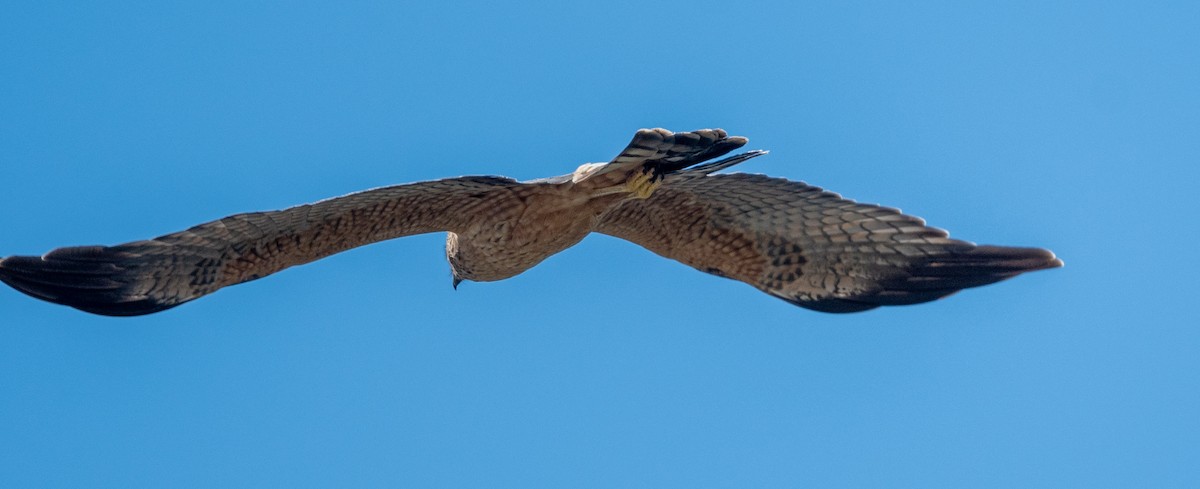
(1073, 126)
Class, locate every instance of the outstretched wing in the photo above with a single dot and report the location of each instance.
(142, 277)
(808, 246)
(666, 151)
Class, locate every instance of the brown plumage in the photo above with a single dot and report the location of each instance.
(791, 240)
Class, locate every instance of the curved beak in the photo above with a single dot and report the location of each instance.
(455, 282)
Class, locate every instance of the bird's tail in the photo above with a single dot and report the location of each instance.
(721, 164)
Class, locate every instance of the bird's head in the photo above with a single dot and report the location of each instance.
(454, 256)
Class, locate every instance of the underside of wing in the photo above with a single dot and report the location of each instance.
(147, 276)
(808, 246)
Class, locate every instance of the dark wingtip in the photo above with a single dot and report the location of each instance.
(84, 278)
(941, 275)
(1005, 261)
(975, 266)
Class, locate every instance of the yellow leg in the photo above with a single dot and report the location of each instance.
(642, 185)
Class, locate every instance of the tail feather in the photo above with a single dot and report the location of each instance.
(666, 152)
(716, 166)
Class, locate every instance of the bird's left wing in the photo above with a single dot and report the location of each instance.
(808, 246)
(147, 276)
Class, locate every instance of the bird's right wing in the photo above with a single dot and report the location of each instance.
(148, 276)
(808, 246)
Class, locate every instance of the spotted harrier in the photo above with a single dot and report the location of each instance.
(789, 239)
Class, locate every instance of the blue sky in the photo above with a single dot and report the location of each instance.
(1071, 126)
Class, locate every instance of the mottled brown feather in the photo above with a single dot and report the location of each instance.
(151, 275)
(808, 246)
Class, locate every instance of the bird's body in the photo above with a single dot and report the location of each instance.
(789, 239)
(522, 227)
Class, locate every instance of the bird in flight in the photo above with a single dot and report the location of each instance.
(794, 241)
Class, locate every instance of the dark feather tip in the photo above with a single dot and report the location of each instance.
(86, 278)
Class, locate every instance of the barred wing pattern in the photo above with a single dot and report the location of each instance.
(147, 276)
(673, 151)
(808, 246)
(665, 152)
